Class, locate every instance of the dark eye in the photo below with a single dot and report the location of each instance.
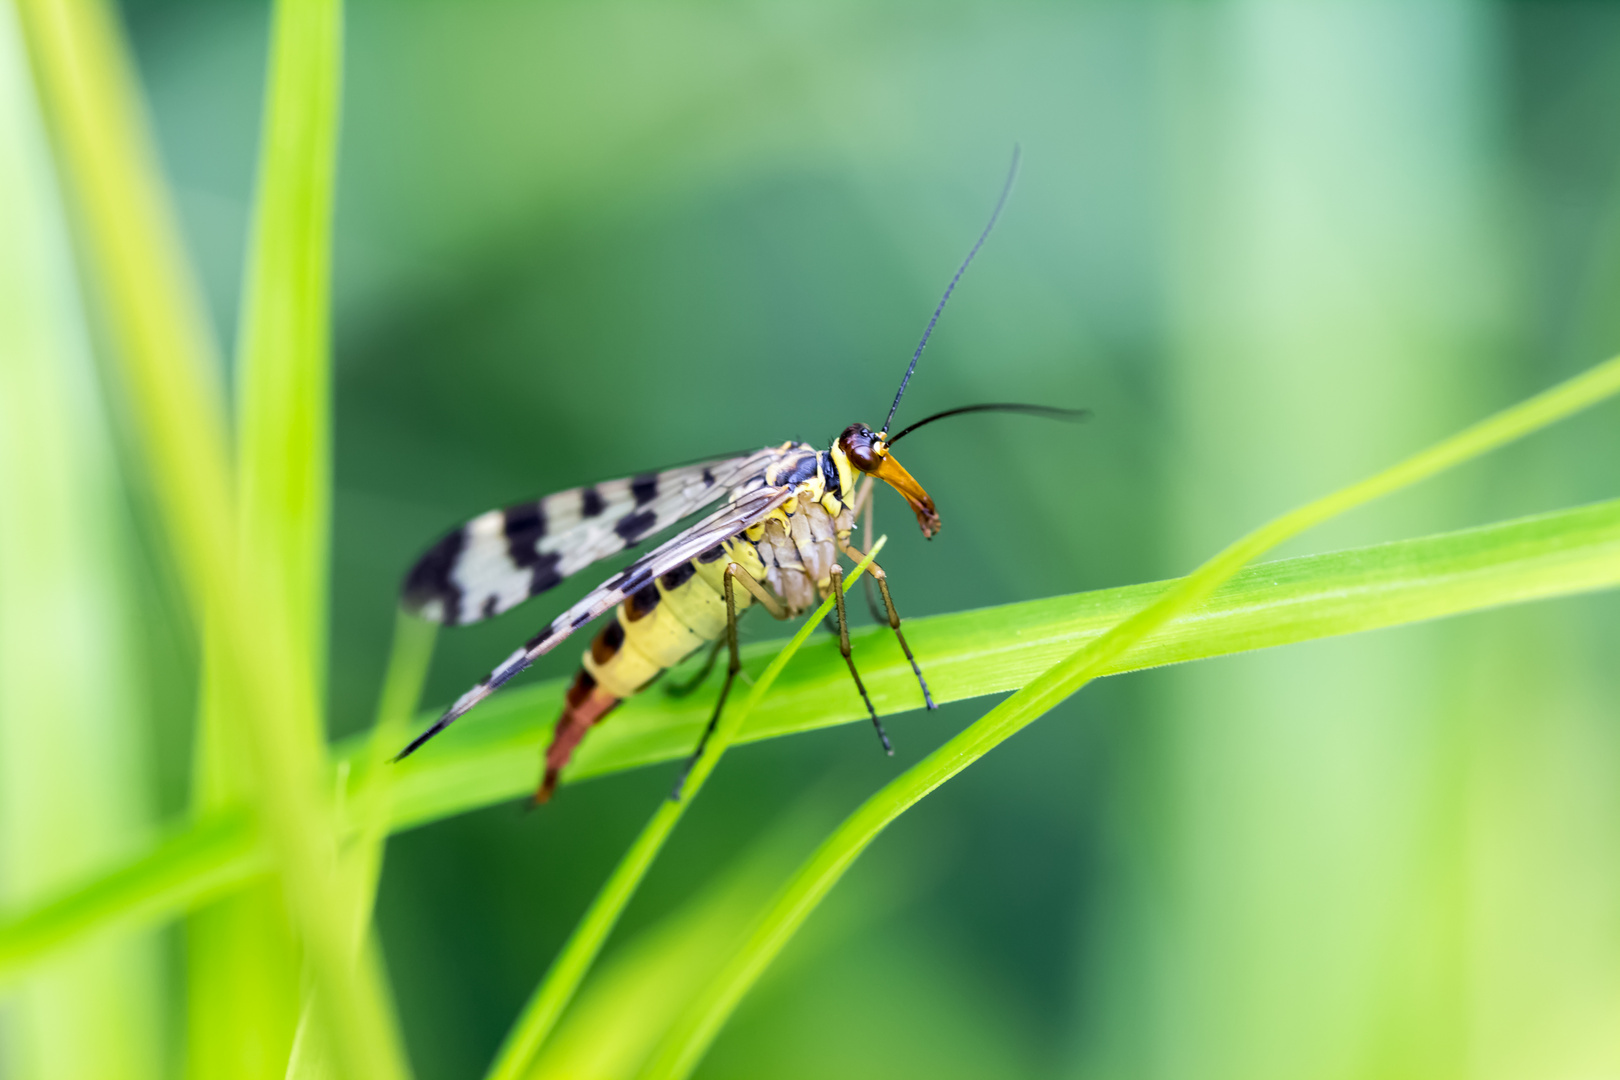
(857, 443)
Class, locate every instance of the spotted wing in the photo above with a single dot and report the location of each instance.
(725, 523)
(500, 559)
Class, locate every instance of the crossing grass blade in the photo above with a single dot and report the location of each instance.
(695, 1030)
(580, 951)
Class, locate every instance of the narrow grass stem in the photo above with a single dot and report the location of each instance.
(368, 812)
(562, 981)
(372, 812)
(696, 1028)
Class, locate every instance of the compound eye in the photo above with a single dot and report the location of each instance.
(857, 441)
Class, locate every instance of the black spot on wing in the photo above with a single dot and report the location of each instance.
(677, 577)
(523, 527)
(634, 526)
(644, 488)
(430, 579)
(708, 477)
(543, 574)
(591, 503)
(489, 610)
(581, 620)
(538, 640)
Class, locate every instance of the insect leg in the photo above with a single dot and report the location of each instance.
(759, 593)
(894, 617)
(679, 690)
(863, 497)
(770, 604)
(843, 647)
(732, 571)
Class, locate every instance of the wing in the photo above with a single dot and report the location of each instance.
(723, 524)
(500, 559)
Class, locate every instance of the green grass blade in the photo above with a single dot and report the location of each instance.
(969, 654)
(73, 767)
(580, 951)
(635, 993)
(167, 357)
(284, 504)
(691, 1035)
(370, 774)
(162, 353)
(245, 976)
(214, 857)
(284, 361)
(361, 861)
(973, 653)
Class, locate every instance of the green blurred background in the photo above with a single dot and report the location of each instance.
(1273, 246)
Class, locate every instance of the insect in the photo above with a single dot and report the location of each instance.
(786, 514)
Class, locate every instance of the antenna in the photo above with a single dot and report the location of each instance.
(1033, 410)
(1006, 189)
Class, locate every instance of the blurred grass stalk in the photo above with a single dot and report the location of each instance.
(74, 785)
(700, 1023)
(254, 593)
(244, 961)
(1353, 196)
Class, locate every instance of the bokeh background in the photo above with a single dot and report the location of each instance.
(1273, 246)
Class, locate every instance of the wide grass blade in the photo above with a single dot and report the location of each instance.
(73, 772)
(970, 654)
(973, 653)
(691, 1035)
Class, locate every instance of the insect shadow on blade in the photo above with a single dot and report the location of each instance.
(786, 514)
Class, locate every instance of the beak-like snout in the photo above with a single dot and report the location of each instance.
(894, 474)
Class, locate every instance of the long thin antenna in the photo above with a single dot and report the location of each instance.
(1006, 189)
(1050, 411)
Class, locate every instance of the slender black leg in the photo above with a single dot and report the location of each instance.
(843, 647)
(894, 624)
(871, 598)
(679, 690)
(894, 619)
(735, 666)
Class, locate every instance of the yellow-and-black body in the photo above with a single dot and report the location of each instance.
(785, 515)
(791, 552)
